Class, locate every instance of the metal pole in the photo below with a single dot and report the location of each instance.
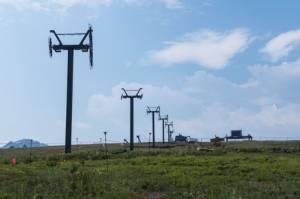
(106, 151)
(153, 128)
(168, 133)
(105, 142)
(69, 101)
(163, 130)
(131, 124)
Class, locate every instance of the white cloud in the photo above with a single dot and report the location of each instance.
(206, 105)
(173, 3)
(282, 45)
(70, 3)
(23, 4)
(48, 5)
(113, 114)
(276, 83)
(269, 121)
(207, 48)
(284, 70)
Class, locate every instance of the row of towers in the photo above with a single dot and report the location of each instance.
(136, 94)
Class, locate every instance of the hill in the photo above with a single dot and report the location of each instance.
(24, 143)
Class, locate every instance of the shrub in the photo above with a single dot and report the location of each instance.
(6, 161)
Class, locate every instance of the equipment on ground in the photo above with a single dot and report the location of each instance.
(237, 134)
(187, 139)
(139, 139)
(180, 138)
(217, 141)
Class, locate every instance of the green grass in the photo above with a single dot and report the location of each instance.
(236, 170)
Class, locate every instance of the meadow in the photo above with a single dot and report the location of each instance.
(235, 170)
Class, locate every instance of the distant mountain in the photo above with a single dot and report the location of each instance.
(25, 143)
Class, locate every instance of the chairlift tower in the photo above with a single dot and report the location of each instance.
(153, 110)
(171, 133)
(164, 119)
(126, 95)
(82, 46)
(169, 124)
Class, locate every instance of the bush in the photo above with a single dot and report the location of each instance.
(6, 161)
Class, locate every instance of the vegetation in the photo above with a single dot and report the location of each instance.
(235, 170)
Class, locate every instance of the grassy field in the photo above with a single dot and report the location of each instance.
(235, 170)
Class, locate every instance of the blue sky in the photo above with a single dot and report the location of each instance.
(212, 65)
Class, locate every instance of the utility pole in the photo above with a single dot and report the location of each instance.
(126, 95)
(169, 124)
(153, 110)
(106, 150)
(70, 49)
(163, 119)
(105, 133)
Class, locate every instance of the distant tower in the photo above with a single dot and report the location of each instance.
(163, 119)
(153, 110)
(169, 124)
(126, 95)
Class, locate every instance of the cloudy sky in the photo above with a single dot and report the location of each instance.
(212, 65)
